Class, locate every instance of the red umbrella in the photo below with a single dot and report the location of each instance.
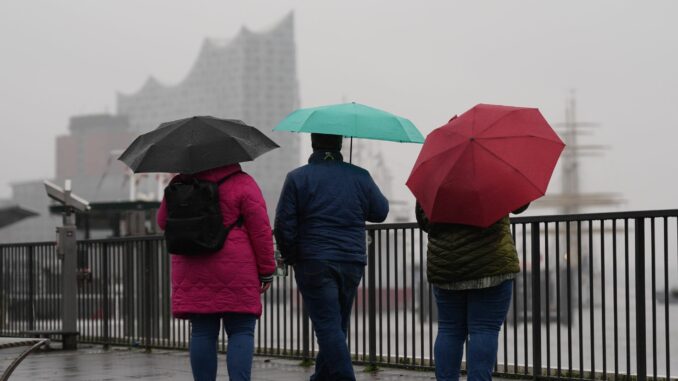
(485, 163)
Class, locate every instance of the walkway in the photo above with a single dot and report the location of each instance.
(96, 364)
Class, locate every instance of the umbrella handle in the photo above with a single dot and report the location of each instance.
(350, 152)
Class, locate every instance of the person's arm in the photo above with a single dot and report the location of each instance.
(521, 209)
(422, 220)
(377, 208)
(253, 211)
(286, 225)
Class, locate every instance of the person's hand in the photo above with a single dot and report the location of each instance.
(521, 209)
(264, 287)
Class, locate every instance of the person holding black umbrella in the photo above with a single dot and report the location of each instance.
(217, 228)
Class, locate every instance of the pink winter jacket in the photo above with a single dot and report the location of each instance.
(228, 280)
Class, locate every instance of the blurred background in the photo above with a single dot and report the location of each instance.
(79, 79)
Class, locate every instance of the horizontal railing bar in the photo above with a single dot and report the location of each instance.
(597, 216)
(412, 225)
(26, 244)
(556, 218)
(400, 225)
(136, 238)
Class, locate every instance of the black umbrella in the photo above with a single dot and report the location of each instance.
(195, 144)
(14, 213)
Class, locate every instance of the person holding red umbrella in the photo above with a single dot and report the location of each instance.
(470, 174)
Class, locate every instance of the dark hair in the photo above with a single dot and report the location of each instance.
(326, 142)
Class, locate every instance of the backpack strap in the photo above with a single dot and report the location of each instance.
(240, 219)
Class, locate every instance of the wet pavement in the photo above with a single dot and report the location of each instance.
(97, 364)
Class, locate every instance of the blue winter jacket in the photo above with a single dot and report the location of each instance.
(322, 210)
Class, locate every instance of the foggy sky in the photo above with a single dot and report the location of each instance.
(427, 63)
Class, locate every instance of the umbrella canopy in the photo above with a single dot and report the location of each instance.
(352, 120)
(195, 144)
(482, 165)
(14, 213)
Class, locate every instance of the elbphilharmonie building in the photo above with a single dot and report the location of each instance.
(251, 77)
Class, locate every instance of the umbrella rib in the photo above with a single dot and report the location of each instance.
(493, 124)
(445, 151)
(307, 120)
(409, 132)
(520, 136)
(512, 166)
(472, 182)
(450, 169)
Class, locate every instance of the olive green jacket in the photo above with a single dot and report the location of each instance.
(459, 253)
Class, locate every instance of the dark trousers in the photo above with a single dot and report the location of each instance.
(328, 289)
(471, 316)
(203, 349)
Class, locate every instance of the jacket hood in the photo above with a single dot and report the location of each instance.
(218, 173)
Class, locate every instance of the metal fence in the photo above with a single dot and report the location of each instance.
(597, 297)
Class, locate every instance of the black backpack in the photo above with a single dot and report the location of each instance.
(195, 225)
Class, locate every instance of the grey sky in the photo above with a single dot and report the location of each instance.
(423, 60)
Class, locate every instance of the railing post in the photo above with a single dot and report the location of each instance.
(641, 354)
(105, 278)
(372, 299)
(30, 308)
(129, 270)
(3, 305)
(146, 305)
(536, 300)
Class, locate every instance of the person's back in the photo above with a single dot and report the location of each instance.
(320, 228)
(224, 287)
(333, 199)
(469, 256)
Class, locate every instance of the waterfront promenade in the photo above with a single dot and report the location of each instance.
(595, 293)
(93, 363)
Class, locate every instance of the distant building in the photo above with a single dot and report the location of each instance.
(88, 156)
(251, 77)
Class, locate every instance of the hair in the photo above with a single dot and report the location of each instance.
(326, 142)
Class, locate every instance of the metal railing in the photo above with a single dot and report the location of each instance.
(596, 298)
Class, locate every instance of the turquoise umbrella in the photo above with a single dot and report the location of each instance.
(352, 120)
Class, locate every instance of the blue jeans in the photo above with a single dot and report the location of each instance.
(328, 289)
(471, 316)
(239, 352)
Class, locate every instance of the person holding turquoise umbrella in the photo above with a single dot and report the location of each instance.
(352, 120)
(320, 220)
